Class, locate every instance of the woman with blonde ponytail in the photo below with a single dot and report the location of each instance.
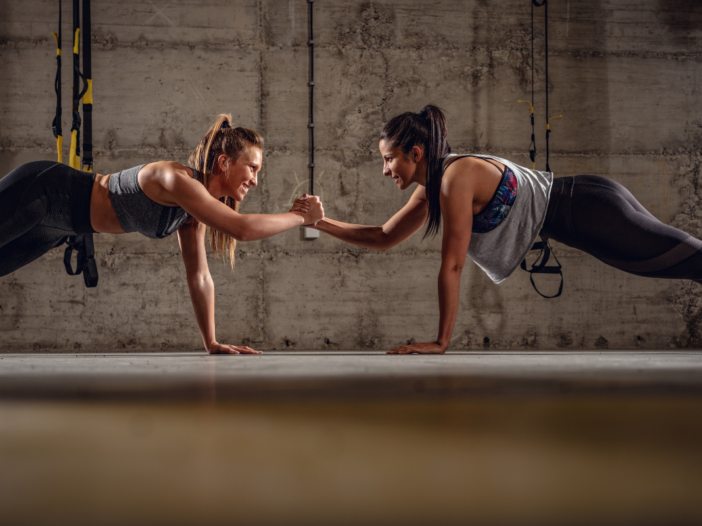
(42, 202)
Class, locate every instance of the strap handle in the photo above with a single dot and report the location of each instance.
(85, 264)
(539, 266)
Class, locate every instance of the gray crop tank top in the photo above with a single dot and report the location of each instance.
(138, 213)
(500, 251)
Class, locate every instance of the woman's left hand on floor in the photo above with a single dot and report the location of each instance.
(222, 348)
(419, 348)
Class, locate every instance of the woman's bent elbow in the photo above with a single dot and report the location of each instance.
(241, 234)
(454, 268)
(200, 280)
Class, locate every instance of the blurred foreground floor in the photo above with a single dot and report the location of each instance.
(358, 438)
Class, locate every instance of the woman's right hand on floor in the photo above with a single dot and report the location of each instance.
(222, 348)
(419, 348)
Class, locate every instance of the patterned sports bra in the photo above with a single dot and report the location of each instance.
(501, 203)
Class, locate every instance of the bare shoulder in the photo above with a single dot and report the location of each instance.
(165, 171)
(464, 165)
(162, 181)
(460, 175)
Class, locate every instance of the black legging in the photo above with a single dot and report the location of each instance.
(41, 204)
(601, 217)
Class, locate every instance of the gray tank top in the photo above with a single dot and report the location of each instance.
(137, 213)
(500, 251)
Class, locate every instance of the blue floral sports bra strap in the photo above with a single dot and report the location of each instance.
(499, 206)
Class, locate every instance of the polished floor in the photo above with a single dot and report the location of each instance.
(355, 438)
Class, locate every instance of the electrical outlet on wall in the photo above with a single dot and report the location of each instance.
(309, 233)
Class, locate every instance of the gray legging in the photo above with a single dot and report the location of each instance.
(41, 204)
(601, 217)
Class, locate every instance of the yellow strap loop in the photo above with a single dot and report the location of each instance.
(59, 147)
(73, 159)
(76, 41)
(548, 124)
(88, 97)
(530, 105)
(58, 49)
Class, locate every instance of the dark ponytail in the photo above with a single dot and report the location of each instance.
(428, 130)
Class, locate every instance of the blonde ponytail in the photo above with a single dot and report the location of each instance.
(220, 139)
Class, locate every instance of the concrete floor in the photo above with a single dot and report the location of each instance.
(358, 374)
(362, 438)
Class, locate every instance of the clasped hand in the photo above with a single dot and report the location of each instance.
(310, 208)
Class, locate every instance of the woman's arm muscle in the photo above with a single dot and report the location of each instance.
(399, 227)
(184, 191)
(457, 192)
(191, 238)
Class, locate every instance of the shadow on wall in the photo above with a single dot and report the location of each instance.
(682, 18)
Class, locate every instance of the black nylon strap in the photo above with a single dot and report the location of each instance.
(87, 160)
(56, 124)
(83, 245)
(539, 267)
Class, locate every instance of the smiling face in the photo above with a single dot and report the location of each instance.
(404, 169)
(235, 178)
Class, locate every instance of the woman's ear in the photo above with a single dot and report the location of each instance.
(222, 161)
(417, 153)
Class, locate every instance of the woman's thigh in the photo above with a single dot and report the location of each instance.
(29, 246)
(601, 217)
(23, 204)
(609, 223)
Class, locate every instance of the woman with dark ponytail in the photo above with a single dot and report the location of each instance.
(493, 210)
(43, 202)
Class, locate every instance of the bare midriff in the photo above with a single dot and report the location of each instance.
(102, 213)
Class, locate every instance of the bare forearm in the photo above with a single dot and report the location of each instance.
(202, 295)
(261, 226)
(449, 299)
(361, 235)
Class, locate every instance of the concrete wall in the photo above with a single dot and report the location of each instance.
(625, 74)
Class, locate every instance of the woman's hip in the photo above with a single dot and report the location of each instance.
(64, 191)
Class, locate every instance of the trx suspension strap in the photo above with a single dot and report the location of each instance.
(88, 96)
(82, 243)
(532, 146)
(74, 152)
(543, 3)
(539, 266)
(56, 125)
